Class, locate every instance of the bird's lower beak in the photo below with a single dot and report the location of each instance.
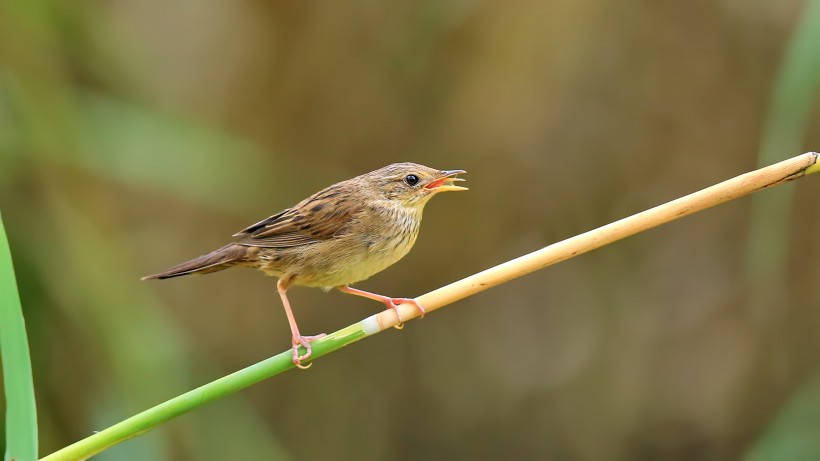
(445, 183)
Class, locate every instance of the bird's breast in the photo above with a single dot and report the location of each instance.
(388, 241)
(370, 245)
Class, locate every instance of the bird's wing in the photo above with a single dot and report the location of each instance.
(317, 218)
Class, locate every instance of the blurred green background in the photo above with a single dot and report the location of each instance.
(137, 134)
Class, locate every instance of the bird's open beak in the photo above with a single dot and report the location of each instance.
(445, 182)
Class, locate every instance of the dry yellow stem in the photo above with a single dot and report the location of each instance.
(739, 186)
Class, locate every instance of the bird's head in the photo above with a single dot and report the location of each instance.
(412, 184)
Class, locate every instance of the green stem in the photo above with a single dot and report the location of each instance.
(234, 382)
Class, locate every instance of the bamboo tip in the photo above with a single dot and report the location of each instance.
(815, 167)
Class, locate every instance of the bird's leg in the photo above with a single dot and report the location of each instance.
(298, 339)
(391, 303)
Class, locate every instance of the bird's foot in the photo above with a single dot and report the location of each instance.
(303, 341)
(393, 303)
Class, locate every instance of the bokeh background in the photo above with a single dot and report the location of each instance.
(137, 134)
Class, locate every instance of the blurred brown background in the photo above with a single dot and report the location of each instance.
(136, 134)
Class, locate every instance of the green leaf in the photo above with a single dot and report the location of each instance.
(21, 411)
(793, 96)
(793, 433)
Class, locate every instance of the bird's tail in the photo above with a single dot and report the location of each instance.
(223, 258)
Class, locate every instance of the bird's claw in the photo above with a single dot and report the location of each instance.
(303, 341)
(393, 303)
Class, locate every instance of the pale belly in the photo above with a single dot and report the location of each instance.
(364, 265)
(340, 262)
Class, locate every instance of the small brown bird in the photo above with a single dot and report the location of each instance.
(337, 236)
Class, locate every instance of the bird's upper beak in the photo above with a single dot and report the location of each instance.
(445, 182)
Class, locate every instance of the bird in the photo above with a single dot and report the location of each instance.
(338, 236)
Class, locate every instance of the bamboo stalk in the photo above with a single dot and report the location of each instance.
(731, 189)
(725, 191)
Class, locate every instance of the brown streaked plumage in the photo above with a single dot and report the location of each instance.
(337, 236)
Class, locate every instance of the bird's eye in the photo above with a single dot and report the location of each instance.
(411, 179)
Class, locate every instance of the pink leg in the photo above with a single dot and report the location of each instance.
(298, 339)
(391, 303)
